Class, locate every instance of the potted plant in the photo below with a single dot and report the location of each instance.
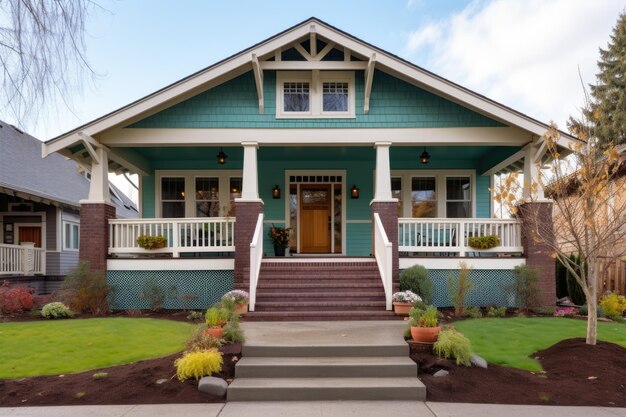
(483, 242)
(152, 242)
(215, 319)
(280, 239)
(403, 301)
(240, 300)
(424, 324)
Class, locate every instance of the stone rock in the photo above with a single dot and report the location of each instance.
(440, 373)
(213, 386)
(478, 361)
(162, 381)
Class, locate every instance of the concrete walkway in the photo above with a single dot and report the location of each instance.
(315, 409)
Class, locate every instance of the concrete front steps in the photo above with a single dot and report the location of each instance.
(325, 362)
(320, 289)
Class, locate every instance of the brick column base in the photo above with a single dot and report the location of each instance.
(537, 228)
(388, 212)
(94, 234)
(246, 214)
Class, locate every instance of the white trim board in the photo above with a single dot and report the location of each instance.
(174, 264)
(453, 262)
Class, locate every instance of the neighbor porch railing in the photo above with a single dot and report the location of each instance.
(450, 236)
(256, 256)
(206, 234)
(384, 258)
(22, 259)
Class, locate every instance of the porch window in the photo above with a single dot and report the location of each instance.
(296, 97)
(458, 197)
(396, 192)
(173, 197)
(207, 197)
(70, 236)
(424, 197)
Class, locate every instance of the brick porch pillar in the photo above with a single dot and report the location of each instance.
(388, 212)
(94, 233)
(537, 227)
(246, 214)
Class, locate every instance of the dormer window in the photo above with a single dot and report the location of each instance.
(315, 94)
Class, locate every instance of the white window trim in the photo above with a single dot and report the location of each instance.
(440, 178)
(63, 240)
(190, 176)
(315, 79)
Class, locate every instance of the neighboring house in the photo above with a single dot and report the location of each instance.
(40, 208)
(374, 163)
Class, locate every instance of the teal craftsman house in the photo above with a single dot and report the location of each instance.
(374, 163)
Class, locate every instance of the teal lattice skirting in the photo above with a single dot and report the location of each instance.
(180, 289)
(490, 287)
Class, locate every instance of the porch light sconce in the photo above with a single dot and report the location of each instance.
(424, 157)
(354, 192)
(276, 192)
(221, 157)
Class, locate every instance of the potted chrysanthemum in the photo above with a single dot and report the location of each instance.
(240, 300)
(403, 301)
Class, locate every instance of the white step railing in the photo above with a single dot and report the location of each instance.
(205, 234)
(256, 256)
(383, 251)
(451, 235)
(23, 259)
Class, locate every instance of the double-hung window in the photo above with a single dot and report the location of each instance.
(173, 197)
(424, 197)
(458, 197)
(207, 197)
(70, 236)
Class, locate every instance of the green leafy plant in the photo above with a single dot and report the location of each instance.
(460, 288)
(416, 279)
(56, 310)
(202, 341)
(424, 318)
(483, 242)
(86, 291)
(152, 242)
(499, 312)
(584, 310)
(575, 291)
(216, 317)
(232, 331)
(279, 236)
(100, 375)
(613, 305)
(199, 363)
(453, 344)
(153, 294)
(195, 315)
(473, 312)
(525, 286)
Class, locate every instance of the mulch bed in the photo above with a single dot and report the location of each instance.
(575, 374)
(127, 384)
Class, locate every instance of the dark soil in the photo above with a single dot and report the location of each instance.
(127, 384)
(574, 374)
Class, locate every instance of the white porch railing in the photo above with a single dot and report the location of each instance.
(256, 255)
(384, 258)
(451, 235)
(205, 234)
(22, 259)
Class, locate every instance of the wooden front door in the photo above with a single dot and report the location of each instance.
(30, 234)
(315, 203)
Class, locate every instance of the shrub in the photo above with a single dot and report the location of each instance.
(199, 363)
(416, 279)
(496, 312)
(15, 299)
(87, 290)
(584, 310)
(483, 242)
(565, 312)
(613, 305)
(232, 331)
(453, 344)
(216, 316)
(153, 294)
(195, 316)
(473, 312)
(56, 310)
(407, 296)
(575, 291)
(525, 287)
(460, 288)
(202, 341)
(424, 318)
(561, 280)
(152, 242)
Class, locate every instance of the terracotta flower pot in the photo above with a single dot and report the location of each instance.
(241, 309)
(216, 332)
(425, 334)
(402, 309)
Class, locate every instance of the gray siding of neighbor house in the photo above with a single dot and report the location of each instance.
(52, 256)
(68, 259)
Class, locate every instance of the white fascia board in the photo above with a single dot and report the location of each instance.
(171, 264)
(462, 136)
(472, 262)
(508, 161)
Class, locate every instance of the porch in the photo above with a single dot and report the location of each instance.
(24, 259)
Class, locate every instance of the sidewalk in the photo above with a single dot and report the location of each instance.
(315, 409)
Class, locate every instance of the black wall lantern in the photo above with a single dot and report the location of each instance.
(424, 157)
(276, 192)
(221, 157)
(354, 192)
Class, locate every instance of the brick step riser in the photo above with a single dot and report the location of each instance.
(321, 270)
(262, 308)
(314, 286)
(312, 298)
(319, 318)
(319, 281)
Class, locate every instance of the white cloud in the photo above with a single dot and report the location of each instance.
(522, 53)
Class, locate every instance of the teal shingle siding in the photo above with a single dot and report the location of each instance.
(483, 197)
(393, 104)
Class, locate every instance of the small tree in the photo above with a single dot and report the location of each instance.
(459, 288)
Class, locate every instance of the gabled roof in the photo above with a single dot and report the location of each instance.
(249, 59)
(55, 179)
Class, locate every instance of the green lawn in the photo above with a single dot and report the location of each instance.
(509, 342)
(68, 346)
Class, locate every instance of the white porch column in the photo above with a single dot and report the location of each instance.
(532, 189)
(250, 182)
(99, 185)
(382, 185)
